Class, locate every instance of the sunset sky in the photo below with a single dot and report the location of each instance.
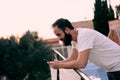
(18, 16)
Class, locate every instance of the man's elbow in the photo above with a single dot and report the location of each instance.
(81, 65)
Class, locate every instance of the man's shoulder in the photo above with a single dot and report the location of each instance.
(84, 31)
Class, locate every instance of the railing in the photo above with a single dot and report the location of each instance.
(78, 71)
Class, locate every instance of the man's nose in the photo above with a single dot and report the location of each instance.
(61, 39)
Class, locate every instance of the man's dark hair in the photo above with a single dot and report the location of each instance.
(62, 23)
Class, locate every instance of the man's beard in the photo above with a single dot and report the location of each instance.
(67, 39)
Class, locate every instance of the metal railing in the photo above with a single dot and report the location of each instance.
(78, 71)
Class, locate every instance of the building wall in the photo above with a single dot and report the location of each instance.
(83, 24)
(115, 24)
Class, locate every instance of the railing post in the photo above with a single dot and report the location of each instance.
(58, 72)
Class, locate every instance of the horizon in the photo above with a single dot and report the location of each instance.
(17, 17)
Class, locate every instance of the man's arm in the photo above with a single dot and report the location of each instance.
(80, 62)
(73, 56)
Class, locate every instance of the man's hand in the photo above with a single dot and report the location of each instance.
(54, 64)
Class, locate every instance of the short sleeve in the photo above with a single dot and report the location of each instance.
(74, 44)
(86, 40)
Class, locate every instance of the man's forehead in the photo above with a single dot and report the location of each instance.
(56, 29)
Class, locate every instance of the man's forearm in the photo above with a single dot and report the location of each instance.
(72, 57)
(71, 64)
(67, 60)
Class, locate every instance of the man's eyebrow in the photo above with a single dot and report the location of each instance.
(58, 34)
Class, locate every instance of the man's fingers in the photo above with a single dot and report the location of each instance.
(49, 62)
(55, 60)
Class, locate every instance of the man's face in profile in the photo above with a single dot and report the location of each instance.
(63, 36)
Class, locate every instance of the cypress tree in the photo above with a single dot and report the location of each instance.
(100, 20)
(111, 14)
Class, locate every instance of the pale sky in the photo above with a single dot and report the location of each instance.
(19, 16)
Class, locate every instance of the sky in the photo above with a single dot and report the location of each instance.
(19, 16)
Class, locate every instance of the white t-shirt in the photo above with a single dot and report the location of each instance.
(103, 51)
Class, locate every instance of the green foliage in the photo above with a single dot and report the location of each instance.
(24, 59)
(102, 15)
(111, 15)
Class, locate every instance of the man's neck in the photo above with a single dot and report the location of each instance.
(74, 34)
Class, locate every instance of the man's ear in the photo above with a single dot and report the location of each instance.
(67, 30)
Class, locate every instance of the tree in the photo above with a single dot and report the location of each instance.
(111, 15)
(24, 59)
(102, 15)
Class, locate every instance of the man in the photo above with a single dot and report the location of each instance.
(114, 36)
(87, 44)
